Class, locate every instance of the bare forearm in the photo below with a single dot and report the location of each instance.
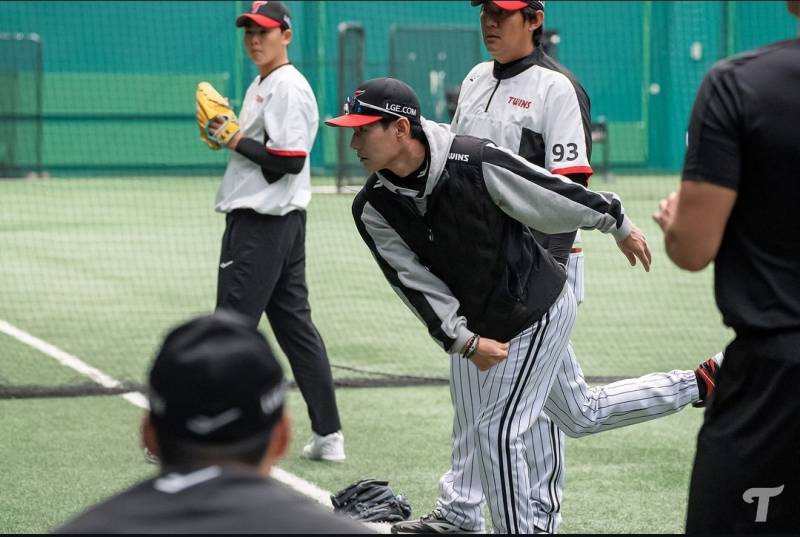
(686, 251)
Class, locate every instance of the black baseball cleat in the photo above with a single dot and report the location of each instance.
(706, 374)
(433, 522)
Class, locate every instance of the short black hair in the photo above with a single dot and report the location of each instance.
(175, 451)
(416, 129)
(529, 14)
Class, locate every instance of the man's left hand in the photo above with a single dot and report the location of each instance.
(666, 211)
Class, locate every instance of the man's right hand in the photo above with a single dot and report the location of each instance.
(489, 353)
(634, 246)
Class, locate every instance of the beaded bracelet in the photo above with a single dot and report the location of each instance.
(468, 345)
(472, 346)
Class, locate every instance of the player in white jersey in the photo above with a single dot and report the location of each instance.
(264, 194)
(526, 102)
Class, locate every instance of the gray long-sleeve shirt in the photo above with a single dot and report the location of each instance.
(523, 191)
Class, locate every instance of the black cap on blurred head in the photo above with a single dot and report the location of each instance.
(267, 14)
(513, 5)
(215, 380)
(377, 99)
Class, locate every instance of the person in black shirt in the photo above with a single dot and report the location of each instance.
(737, 206)
(217, 425)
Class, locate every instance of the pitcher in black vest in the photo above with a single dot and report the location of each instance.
(447, 219)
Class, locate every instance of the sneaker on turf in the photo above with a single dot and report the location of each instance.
(433, 522)
(706, 374)
(328, 448)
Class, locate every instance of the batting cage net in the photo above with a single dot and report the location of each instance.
(351, 67)
(121, 242)
(20, 104)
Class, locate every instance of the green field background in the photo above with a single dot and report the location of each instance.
(103, 267)
(123, 74)
(121, 243)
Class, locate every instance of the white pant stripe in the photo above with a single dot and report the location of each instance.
(507, 421)
(530, 389)
(555, 500)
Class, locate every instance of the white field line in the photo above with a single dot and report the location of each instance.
(323, 189)
(138, 399)
(331, 189)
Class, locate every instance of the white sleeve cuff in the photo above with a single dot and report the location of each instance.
(461, 340)
(622, 232)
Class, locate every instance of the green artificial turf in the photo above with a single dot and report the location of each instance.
(61, 455)
(102, 268)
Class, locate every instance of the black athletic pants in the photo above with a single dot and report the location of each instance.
(262, 269)
(746, 476)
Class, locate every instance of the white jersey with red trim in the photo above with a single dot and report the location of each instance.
(281, 111)
(534, 107)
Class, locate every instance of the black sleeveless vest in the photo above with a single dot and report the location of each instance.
(502, 278)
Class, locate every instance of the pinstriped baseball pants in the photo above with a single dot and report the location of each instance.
(544, 443)
(497, 408)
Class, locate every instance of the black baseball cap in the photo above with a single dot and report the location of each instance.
(512, 5)
(267, 14)
(377, 99)
(215, 380)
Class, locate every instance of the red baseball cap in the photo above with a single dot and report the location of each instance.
(513, 5)
(378, 99)
(267, 14)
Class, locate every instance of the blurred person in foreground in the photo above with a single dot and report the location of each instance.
(737, 207)
(217, 424)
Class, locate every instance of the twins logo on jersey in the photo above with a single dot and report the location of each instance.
(522, 103)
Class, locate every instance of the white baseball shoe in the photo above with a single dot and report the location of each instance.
(328, 448)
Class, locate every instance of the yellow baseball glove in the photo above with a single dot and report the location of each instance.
(211, 105)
